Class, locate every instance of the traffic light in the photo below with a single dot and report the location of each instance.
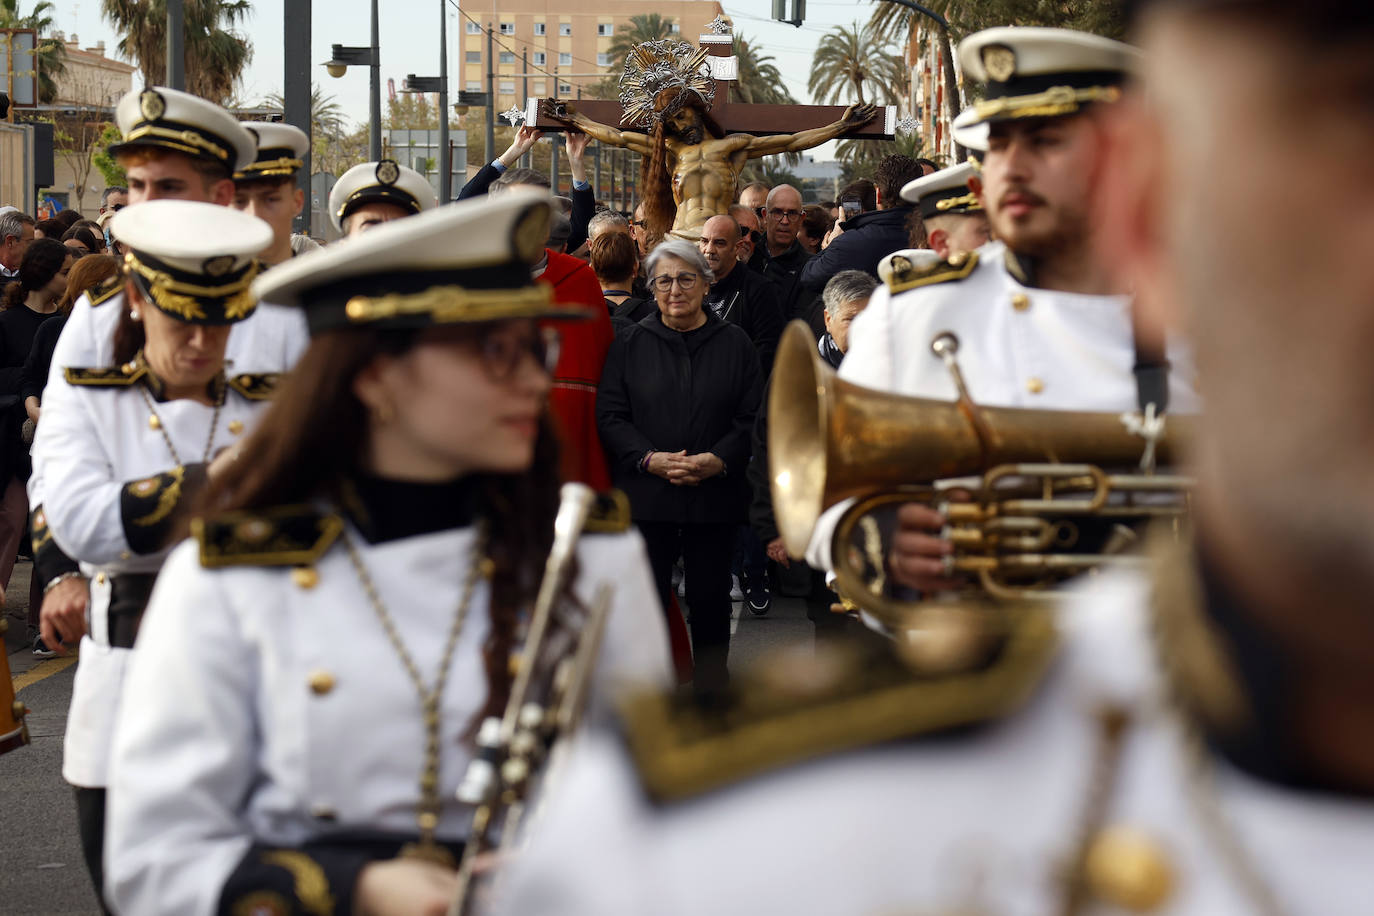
(798, 11)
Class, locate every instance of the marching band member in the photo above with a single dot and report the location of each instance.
(373, 193)
(127, 445)
(266, 187)
(173, 145)
(1196, 741)
(1040, 321)
(294, 744)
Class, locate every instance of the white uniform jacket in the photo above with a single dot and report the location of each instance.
(278, 712)
(108, 498)
(1019, 346)
(979, 822)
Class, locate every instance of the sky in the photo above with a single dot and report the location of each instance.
(404, 21)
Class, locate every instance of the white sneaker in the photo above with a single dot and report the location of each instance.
(736, 593)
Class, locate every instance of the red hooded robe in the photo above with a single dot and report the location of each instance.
(572, 402)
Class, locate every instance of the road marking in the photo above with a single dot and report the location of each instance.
(44, 669)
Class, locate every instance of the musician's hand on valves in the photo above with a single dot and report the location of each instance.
(405, 887)
(62, 619)
(918, 552)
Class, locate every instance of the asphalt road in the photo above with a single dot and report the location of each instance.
(41, 869)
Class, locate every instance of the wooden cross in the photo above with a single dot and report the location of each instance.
(733, 117)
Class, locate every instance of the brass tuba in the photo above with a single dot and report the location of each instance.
(830, 440)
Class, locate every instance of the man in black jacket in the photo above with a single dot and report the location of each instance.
(786, 256)
(869, 237)
(739, 295)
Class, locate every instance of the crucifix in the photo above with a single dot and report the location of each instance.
(675, 110)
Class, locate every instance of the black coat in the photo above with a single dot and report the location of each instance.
(866, 240)
(785, 272)
(745, 298)
(662, 390)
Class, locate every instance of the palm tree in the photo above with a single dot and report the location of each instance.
(215, 56)
(51, 52)
(847, 60)
(326, 117)
(861, 157)
(643, 27)
(759, 81)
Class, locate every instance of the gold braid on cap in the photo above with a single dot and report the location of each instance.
(184, 300)
(655, 66)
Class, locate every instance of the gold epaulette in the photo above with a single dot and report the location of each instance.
(610, 515)
(110, 377)
(904, 270)
(106, 290)
(256, 386)
(285, 536)
(683, 747)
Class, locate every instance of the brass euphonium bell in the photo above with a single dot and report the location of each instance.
(829, 439)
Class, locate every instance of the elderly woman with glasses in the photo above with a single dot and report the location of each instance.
(675, 409)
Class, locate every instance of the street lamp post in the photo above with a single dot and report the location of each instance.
(341, 58)
(439, 84)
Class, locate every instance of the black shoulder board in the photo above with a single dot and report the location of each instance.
(906, 270)
(106, 290)
(784, 715)
(285, 536)
(256, 386)
(114, 377)
(610, 515)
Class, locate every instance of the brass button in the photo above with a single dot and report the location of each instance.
(1035, 385)
(124, 554)
(1020, 302)
(1130, 869)
(154, 421)
(321, 682)
(128, 368)
(235, 427)
(100, 578)
(305, 576)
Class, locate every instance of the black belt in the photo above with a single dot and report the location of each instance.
(129, 596)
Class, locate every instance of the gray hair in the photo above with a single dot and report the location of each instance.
(682, 250)
(606, 221)
(518, 176)
(12, 223)
(847, 286)
(112, 189)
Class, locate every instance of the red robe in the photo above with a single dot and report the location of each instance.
(572, 402)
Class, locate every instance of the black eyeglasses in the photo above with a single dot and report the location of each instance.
(685, 281)
(785, 215)
(501, 352)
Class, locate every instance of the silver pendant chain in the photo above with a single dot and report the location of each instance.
(156, 423)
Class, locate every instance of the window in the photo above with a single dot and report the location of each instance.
(472, 57)
(564, 89)
(564, 59)
(565, 29)
(603, 60)
(539, 87)
(675, 29)
(474, 28)
(506, 57)
(539, 29)
(506, 87)
(507, 28)
(605, 29)
(540, 58)
(472, 86)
